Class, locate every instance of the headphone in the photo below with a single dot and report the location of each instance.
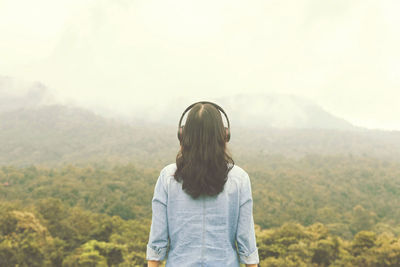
(227, 129)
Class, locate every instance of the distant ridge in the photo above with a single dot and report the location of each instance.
(56, 134)
(244, 110)
(32, 131)
(280, 111)
(15, 94)
(254, 111)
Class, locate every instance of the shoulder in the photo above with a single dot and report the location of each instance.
(238, 173)
(167, 173)
(169, 169)
(243, 182)
(239, 177)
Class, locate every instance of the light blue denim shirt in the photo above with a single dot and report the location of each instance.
(209, 231)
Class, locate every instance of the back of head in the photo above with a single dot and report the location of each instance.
(202, 162)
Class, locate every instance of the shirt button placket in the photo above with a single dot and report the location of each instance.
(204, 232)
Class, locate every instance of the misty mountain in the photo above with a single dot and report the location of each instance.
(16, 94)
(57, 134)
(280, 111)
(244, 111)
(255, 111)
(34, 131)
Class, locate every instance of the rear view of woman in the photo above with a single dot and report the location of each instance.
(202, 204)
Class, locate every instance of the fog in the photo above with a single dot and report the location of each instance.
(124, 56)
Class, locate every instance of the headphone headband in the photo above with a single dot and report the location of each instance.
(204, 102)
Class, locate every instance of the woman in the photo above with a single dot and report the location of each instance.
(202, 204)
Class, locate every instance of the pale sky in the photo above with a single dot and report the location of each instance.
(124, 54)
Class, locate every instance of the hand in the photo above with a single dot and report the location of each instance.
(153, 263)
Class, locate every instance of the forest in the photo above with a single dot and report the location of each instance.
(311, 211)
(76, 190)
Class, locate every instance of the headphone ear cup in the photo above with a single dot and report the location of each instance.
(228, 134)
(180, 133)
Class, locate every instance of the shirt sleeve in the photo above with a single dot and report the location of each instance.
(158, 238)
(245, 235)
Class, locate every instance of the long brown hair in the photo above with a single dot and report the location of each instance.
(203, 161)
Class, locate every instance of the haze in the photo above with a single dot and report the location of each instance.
(125, 55)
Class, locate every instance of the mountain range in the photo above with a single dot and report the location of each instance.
(35, 130)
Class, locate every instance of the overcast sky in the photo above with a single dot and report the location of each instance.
(125, 53)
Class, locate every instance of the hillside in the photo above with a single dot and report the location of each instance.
(260, 111)
(16, 94)
(280, 111)
(57, 134)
